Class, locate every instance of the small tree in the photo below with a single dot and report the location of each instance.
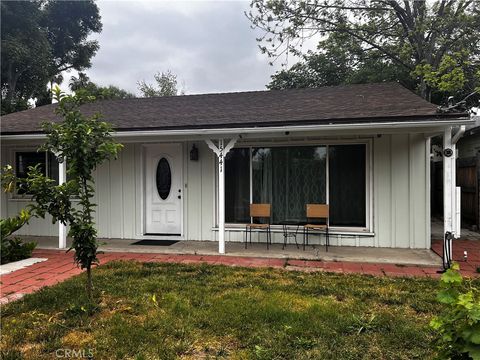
(84, 143)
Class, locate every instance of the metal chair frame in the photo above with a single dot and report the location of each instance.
(317, 211)
(258, 211)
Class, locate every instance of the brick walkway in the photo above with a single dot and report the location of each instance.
(459, 246)
(60, 267)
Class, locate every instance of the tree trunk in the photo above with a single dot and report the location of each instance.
(12, 83)
(425, 90)
(89, 282)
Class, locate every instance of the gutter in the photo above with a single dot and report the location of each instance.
(260, 130)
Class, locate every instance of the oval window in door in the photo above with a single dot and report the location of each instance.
(164, 178)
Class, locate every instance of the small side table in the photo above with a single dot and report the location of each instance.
(287, 231)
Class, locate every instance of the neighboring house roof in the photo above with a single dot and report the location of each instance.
(350, 104)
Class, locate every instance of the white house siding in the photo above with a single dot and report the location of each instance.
(401, 213)
(399, 182)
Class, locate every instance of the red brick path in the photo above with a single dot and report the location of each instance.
(59, 266)
(459, 246)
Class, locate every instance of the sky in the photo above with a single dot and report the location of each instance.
(209, 45)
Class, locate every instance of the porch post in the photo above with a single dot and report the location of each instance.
(221, 198)
(448, 195)
(221, 151)
(62, 229)
(451, 195)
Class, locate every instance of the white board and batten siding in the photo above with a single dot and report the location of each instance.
(401, 191)
(399, 183)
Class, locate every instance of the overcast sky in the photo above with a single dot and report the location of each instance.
(208, 44)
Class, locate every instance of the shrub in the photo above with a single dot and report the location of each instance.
(458, 326)
(13, 248)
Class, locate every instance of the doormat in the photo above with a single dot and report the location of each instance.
(155, 242)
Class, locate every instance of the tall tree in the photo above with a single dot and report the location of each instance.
(340, 61)
(82, 86)
(25, 54)
(166, 85)
(40, 40)
(435, 42)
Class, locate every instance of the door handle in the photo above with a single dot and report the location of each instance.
(179, 196)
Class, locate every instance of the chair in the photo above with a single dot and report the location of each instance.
(316, 212)
(259, 211)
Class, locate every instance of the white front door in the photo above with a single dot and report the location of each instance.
(163, 189)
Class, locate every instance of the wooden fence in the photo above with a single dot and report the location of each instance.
(468, 178)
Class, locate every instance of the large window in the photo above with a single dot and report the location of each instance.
(47, 162)
(347, 185)
(238, 181)
(289, 177)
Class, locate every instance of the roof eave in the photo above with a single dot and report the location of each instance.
(434, 122)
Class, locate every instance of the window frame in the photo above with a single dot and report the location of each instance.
(13, 156)
(368, 228)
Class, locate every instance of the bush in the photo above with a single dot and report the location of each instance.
(458, 326)
(13, 248)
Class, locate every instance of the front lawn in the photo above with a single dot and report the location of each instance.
(166, 311)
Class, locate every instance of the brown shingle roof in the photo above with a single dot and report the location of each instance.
(335, 104)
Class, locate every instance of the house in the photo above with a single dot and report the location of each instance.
(192, 164)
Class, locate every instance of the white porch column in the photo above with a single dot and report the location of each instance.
(221, 151)
(221, 198)
(448, 194)
(451, 195)
(62, 229)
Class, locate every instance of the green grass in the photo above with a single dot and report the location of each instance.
(167, 311)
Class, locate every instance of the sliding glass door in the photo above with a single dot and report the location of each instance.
(289, 177)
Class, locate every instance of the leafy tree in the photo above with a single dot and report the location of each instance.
(339, 61)
(84, 143)
(166, 85)
(428, 40)
(40, 40)
(25, 54)
(84, 87)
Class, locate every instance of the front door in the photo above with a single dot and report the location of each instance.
(163, 189)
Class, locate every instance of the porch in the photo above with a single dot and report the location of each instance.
(351, 254)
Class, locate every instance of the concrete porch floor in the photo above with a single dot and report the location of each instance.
(259, 250)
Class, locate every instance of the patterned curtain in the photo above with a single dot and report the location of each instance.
(289, 178)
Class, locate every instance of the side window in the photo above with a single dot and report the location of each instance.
(47, 161)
